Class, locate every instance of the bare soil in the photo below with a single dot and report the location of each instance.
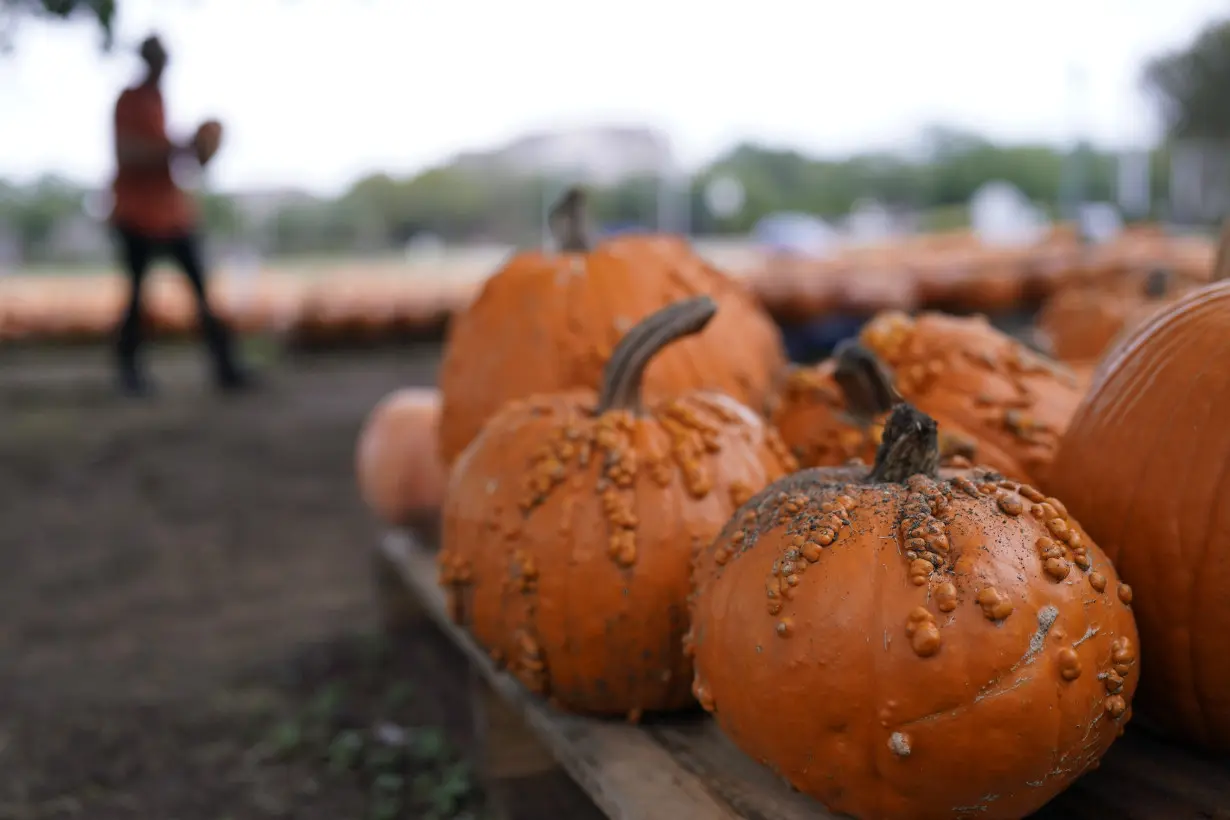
(187, 629)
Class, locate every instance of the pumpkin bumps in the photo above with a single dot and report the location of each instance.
(867, 634)
(572, 519)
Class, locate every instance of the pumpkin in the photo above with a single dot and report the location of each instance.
(571, 521)
(1081, 323)
(399, 474)
(548, 322)
(981, 384)
(1144, 466)
(835, 411)
(207, 140)
(901, 641)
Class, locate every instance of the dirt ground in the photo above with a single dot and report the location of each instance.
(187, 629)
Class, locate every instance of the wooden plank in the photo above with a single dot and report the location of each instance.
(1142, 777)
(625, 772)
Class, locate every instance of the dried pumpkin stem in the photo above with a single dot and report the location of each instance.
(1159, 283)
(1221, 264)
(567, 222)
(864, 381)
(910, 446)
(621, 380)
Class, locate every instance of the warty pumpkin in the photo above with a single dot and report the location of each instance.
(1144, 465)
(835, 411)
(571, 521)
(399, 473)
(980, 384)
(548, 321)
(909, 642)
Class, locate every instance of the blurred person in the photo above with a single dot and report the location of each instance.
(152, 218)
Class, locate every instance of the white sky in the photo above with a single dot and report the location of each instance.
(317, 92)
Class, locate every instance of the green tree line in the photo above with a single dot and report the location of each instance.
(384, 212)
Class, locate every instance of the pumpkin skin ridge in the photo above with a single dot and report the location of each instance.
(1061, 739)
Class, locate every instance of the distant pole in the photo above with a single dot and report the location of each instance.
(1072, 182)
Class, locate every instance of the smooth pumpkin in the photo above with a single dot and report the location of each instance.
(904, 640)
(548, 321)
(1144, 465)
(399, 474)
(571, 521)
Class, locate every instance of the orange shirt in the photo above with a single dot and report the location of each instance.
(147, 200)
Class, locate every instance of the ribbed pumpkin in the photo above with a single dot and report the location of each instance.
(835, 411)
(913, 643)
(549, 321)
(398, 471)
(572, 519)
(981, 384)
(1144, 466)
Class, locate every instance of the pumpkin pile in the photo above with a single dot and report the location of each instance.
(882, 575)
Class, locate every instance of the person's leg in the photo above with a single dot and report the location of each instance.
(135, 253)
(186, 252)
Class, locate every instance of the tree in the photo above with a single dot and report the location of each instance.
(103, 11)
(1192, 86)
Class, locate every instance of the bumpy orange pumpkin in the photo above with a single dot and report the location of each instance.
(1144, 465)
(835, 411)
(981, 384)
(571, 522)
(910, 643)
(548, 322)
(399, 473)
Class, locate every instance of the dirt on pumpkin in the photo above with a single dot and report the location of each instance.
(187, 625)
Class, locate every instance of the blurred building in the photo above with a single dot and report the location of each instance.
(598, 155)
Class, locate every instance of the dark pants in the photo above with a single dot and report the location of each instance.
(138, 252)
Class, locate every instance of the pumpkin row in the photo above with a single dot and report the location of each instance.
(952, 271)
(864, 570)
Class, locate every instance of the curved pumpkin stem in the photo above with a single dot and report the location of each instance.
(567, 222)
(864, 381)
(1221, 265)
(910, 446)
(1159, 283)
(621, 380)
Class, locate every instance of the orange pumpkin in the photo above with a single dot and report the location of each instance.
(835, 411)
(1081, 323)
(571, 521)
(399, 474)
(207, 140)
(548, 322)
(1144, 466)
(982, 385)
(905, 640)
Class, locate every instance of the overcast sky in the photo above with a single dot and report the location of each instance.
(317, 92)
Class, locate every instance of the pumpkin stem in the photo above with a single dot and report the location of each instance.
(621, 380)
(566, 221)
(864, 381)
(1158, 283)
(910, 446)
(1221, 265)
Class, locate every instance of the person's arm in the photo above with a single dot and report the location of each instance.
(140, 137)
